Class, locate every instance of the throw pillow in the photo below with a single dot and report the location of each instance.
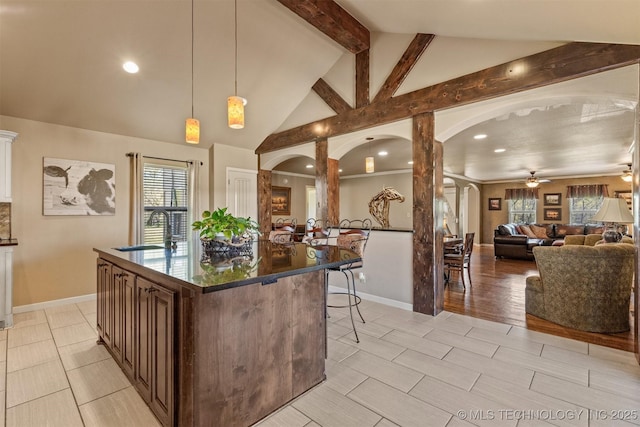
(540, 232)
(527, 231)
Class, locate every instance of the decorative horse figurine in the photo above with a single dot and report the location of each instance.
(379, 205)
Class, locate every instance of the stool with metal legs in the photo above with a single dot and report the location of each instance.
(352, 235)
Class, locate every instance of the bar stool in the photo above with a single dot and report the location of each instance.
(352, 235)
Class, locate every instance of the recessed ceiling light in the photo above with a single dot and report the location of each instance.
(410, 162)
(131, 67)
(309, 166)
(382, 153)
(339, 170)
(499, 150)
(480, 136)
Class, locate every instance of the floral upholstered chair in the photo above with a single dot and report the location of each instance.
(582, 287)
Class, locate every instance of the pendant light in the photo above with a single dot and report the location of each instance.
(192, 128)
(235, 104)
(369, 161)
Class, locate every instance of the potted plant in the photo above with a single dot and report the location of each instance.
(220, 230)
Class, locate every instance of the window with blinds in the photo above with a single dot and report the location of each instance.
(165, 192)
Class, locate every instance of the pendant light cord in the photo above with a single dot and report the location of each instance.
(192, 57)
(235, 4)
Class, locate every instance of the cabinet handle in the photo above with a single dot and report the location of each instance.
(121, 275)
(149, 290)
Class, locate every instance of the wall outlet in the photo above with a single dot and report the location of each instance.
(362, 277)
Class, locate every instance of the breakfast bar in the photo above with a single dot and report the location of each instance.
(216, 341)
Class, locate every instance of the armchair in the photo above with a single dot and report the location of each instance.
(582, 287)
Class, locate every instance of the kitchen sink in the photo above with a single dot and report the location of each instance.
(138, 248)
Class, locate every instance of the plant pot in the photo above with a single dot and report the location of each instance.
(221, 248)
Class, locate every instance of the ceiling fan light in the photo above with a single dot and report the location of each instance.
(235, 111)
(627, 175)
(192, 131)
(532, 183)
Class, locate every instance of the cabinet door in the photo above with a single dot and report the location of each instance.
(142, 339)
(104, 314)
(115, 299)
(128, 323)
(162, 353)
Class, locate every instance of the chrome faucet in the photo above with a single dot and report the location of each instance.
(168, 236)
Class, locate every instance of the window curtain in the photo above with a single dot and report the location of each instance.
(593, 190)
(521, 194)
(193, 169)
(136, 226)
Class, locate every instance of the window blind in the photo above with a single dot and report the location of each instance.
(165, 189)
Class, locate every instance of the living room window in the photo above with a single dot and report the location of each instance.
(522, 211)
(522, 205)
(584, 201)
(582, 209)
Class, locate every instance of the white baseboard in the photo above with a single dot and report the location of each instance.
(53, 303)
(375, 298)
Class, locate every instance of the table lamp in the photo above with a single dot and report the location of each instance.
(614, 211)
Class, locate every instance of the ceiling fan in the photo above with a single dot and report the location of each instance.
(533, 180)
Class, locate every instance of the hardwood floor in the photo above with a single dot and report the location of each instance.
(497, 294)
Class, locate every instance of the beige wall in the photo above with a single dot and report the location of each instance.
(491, 219)
(54, 258)
(356, 193)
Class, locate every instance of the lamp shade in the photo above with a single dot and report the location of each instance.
(614, 210)
(368, 165)
(235, 111)
(192, 131)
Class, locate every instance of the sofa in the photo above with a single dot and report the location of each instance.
(582, 287)
(517, 241)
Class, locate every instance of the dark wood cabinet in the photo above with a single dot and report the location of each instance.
(104, 295)
(136, 323)
(155, 376)
(116, 310)
(162, 361)
(128, 322)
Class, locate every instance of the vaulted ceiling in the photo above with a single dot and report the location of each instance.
(60, 62)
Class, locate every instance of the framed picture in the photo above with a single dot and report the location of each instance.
(627, 196)
(495, 204)
(75, 187)
(281, 200)
(552, 214)
(552, 199)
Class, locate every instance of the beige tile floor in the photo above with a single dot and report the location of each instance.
(408, 370)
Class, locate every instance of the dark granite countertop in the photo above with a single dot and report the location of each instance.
(267, 263)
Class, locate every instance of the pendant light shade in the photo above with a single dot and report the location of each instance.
(368, 165)
(193, 131)
(235, 112)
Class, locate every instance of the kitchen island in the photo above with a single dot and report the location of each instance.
(216, 341)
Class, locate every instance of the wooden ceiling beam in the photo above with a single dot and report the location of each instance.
(404, 66)
(328, 17)
(556, 65)
(362, 79)
(331, 97)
